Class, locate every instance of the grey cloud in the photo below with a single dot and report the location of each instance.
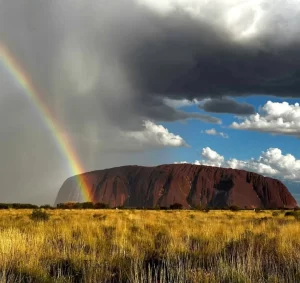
(155, 108)
(227, 105)
(188, 58)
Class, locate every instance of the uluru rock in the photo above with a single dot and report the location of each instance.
(189, 185)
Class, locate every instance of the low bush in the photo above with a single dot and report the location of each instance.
(295, 214)
(290, 213)
(100, 205)
(199, 207)
(163, 208)
(234, 208)
(39, 215)
(87, 205)
(18, 206)
(46, 206)
(176, 206)
(68, 205)
(4, 206)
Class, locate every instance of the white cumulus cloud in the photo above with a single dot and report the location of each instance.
(154, 135)
(210, 158)
(271, 162)
(214, 132)
(275, 118)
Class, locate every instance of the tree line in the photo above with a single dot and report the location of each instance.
(79, 205)
(100, 205)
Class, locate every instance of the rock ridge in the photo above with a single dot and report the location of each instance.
(187, 184)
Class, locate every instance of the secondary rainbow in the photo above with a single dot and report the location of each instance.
(63, 143)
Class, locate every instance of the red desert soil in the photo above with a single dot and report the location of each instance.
(189, 185)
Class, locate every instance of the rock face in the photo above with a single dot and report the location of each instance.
(189, 185)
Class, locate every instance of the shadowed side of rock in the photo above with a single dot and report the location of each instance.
(189, 185)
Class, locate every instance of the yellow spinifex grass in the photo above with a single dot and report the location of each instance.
(149, 246)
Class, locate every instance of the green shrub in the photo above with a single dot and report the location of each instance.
(23, 206)
(87, 205)
(163, 208)
(176, 206)
(234, 208)
(68, 205)
(100, 205)
(199, 207)
(77, 205)
(39, 215)
(46, 206)
(60, 205)
(4, 206)
(296, 214)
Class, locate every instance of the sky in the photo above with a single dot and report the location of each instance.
(149, 82)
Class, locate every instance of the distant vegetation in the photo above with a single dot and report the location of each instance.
(17, 206)
(45, 245)
(100, 205)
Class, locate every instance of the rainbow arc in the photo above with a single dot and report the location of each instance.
(62, 140)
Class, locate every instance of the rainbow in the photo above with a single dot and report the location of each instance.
(62, 141)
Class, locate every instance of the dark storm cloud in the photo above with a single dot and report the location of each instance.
(227, 105)
(92, 58)
(191, 59)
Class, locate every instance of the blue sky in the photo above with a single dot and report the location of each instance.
(234, 146)
(240, 144)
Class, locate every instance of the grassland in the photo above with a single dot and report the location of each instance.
(149, 246)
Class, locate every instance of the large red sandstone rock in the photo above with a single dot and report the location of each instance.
(190, 185)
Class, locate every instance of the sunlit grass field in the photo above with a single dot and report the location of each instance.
(149, 246)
